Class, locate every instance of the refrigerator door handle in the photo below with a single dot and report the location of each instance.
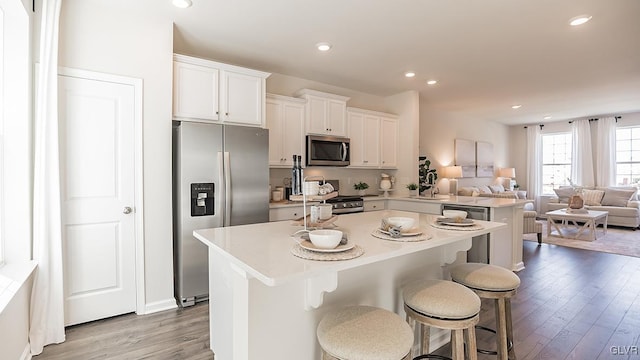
(227, 189)
(221, 189)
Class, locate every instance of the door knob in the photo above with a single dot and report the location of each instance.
(127, 210)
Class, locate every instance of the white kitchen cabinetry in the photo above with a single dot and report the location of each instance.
(373, 205)
(425, 207)
(388, 142)
(325, 113)
(286, 213)
(373, 138)
(209, 91)
(285, 121)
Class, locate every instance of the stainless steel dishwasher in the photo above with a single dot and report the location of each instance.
(479, 251)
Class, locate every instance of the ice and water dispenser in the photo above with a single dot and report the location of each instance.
(202, 199)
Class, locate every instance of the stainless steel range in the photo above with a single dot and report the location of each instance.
(345, 204)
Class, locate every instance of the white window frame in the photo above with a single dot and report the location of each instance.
(634, 149)
(547, 188)
(15, 124)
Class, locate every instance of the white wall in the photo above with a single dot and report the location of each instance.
(439, 129)
(119, 37)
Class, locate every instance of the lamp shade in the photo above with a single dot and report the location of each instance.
(454, 172)
(507, 172)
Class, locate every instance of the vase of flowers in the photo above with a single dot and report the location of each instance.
(361, 187)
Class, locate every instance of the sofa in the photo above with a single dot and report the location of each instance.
(622, 203)
(495, 191)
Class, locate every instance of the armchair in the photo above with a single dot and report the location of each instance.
(529, 223)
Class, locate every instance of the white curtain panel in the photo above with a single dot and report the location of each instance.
(606, 152)
(534, 162)
(581, 153)
(47, 297)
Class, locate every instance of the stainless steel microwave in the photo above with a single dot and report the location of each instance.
(327, 150)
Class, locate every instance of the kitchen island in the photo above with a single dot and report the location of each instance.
(265, 303)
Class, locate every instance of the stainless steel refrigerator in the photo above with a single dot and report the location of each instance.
(220, 178)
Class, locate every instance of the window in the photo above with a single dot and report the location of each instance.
(2, 171)
(628, 156)
(15, 135)
(556, 161)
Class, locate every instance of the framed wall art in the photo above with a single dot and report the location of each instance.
(484, 159)
(465, 155)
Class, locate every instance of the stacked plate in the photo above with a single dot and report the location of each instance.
(454, 221)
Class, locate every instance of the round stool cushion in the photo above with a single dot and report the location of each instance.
(364, 333)
(484, 277)
(441, 299)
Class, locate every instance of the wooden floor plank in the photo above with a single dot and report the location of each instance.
(572, 304)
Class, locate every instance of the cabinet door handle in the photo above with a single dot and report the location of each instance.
(227, 114)
(217, 113)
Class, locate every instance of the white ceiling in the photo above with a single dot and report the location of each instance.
(486, 54)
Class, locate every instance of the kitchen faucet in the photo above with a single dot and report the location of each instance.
(433, 190)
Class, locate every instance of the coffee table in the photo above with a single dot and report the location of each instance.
(590, 220)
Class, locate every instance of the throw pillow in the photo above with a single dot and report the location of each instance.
(563, 194)
(592, 197)
(615, 197)
(467, 191)
(496, 188)
(484, 189)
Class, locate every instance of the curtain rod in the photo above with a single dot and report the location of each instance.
(596, 119)
(541, 126)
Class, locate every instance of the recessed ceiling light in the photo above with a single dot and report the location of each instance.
(516, 106)
(432, 82)
(183, 4)
(409, 74)
(579, 20)
(323, 46)
(547, 117)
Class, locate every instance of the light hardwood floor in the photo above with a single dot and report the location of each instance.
(572, 304)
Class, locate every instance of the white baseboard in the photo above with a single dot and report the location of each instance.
(158, 306)
(26, 353)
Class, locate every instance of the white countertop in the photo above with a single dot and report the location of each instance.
(264, 250)
(441, 199)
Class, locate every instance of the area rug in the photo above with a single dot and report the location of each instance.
(617, 240)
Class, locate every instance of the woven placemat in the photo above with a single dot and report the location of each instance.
(380, 235)
(459, 228)
(300, 252)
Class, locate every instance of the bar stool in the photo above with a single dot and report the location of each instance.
(445, 305)
(499, 284)
(364, 333)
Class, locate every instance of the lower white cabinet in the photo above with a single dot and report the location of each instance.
(425, 207)
(286, 213)
(374, 205)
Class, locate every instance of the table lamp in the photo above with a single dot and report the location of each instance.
(509, 174)
(453, 173)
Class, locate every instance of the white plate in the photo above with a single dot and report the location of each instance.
(410, 232)
(306, 244)
(468, 222)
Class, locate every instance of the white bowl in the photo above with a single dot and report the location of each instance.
(404, 223)
(453, 214)
(325, 239)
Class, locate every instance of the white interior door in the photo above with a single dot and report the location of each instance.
(97, 149)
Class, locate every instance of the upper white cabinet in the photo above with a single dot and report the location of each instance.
(285, 121)
(388, 142)
(325, 113)
(205, 90)
(373, 138)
